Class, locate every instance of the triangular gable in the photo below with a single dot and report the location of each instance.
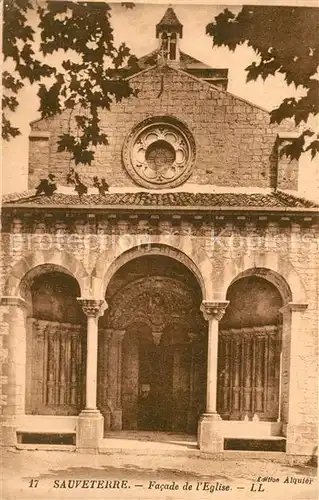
(206, 85)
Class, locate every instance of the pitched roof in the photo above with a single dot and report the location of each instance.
(216, 76)
(169, 19)
(166, 200)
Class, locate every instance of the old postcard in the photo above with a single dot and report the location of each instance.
(159, 251)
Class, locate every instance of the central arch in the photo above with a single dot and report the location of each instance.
(104, 276)
(153, 338)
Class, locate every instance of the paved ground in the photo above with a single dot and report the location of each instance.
(68, 475)
(148, 441)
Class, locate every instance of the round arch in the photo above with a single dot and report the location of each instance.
(149, 367)
(27, 269)
(280, 272)
(276, 279)
(254, 321)
(140, 251)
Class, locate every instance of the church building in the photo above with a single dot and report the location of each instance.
(181, 298)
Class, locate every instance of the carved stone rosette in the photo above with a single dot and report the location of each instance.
(159, 153)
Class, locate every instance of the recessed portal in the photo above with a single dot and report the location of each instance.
(160, 364)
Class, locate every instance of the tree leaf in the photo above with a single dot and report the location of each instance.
(295, 54)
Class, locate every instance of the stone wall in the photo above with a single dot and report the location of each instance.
(13, 367)
(39, 154)
(235, 144)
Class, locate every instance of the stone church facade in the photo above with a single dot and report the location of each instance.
(185, 299)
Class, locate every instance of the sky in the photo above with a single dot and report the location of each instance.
(137, 28)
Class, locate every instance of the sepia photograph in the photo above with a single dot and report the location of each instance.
(159, 285)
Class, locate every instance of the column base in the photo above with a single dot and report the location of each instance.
(89, 432)
(116, 420)
(209, 436)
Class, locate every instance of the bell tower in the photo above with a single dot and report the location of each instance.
(169, 31)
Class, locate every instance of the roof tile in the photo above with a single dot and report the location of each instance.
(174, 199)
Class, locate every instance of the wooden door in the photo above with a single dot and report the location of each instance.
(58, 368)
(249, 372)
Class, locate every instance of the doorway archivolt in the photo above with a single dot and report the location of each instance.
(155, 302)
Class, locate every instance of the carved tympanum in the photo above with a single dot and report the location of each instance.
(155, 301)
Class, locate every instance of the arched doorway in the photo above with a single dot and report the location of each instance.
(56, 344)
(154, 301)
(249, 351)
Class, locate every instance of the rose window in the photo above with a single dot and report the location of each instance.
(159, 154)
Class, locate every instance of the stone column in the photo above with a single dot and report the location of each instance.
(301, 428)
(29, 383)
(14, 366)
(103, 376)
(210, 438)
(90, 421)
(115, 379)
(190, 413)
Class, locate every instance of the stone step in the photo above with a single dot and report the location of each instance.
(45, 447)
(274, 456)
(279, 457)
(150, 452)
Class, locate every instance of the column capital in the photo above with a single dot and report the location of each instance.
(106, 332)
(294, 307)
(8, 300)
(93, 307)
(118, 335)
(213, 310)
